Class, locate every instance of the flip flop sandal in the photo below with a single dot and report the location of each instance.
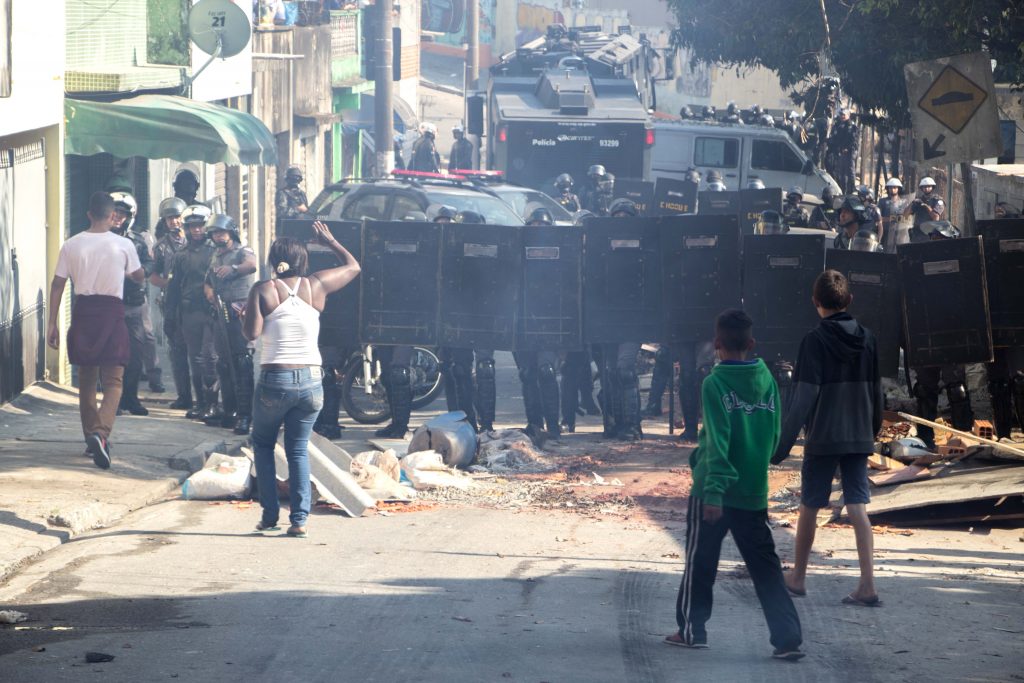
(267, 527)
(297, 532)
(850, 600)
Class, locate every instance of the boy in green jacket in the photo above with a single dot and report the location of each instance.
(730, 491)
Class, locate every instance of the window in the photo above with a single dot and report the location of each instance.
(716, 152)
(494, 211)
(404, 205)
(774, 155)
(328, 202)
(372, 205)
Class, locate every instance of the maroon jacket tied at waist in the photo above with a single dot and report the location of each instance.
(98, 334)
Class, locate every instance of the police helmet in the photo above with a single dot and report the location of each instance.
(796, 191)
(581, 216)
(939, 230)
(222, 221)
(457, 129)
(596, 171)
(539, 216)
(894, 182)
(709, 113)
(623, 206)
(766, 120)
(770, 222)
(716, 186)
(427, 128)
(685, 112)
(564, 182)
(607, 183)
(927, 181)
(470, 216)
(865, 193)
(123, 201)
(439, 212)
(755, 184)
(864, 240)
(693, 176)
(731, 108)
(172, 206)
(293, 173)
(854, 205)
(714, 176)
(415, 217)
(827, 195)
(196, 214)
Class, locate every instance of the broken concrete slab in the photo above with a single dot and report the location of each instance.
(335, 453)
(335, 485)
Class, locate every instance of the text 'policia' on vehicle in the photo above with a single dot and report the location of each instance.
(568, 100)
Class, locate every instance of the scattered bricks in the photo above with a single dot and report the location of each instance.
(983, 429)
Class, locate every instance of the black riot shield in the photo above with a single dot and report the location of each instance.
(778, 277)
(480, 272)
(945, 302)
(672, 196)
(401, 289)
(753, 202)
(1004, 267)
(640, 191)
(718, 203)
(701, 272)
(551, 312)
(622, 280)
(339, 322)
(875, 285)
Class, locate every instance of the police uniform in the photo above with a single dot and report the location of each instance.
(461, 156)
(824, 214)
(1006, 387)
(163, 257)
(569, 201)
(689, 384)
(577, 389)
(396, 376)
(189, 310)
(795, 215)
(234, 360)
(843, 148)
(424, 156)
(921, 215)
(539, 377)
(891, 210)
(140, 329)
(288, 201)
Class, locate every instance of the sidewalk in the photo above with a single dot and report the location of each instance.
(50, 492)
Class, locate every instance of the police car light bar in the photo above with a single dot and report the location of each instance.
(401, 173)
(483, 175)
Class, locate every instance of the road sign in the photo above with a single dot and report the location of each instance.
(953, 109)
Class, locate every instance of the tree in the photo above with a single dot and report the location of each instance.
(869, 40)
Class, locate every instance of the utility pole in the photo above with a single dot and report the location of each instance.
(383, 93)
(472, 67)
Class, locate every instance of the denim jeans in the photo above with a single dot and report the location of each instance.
(292, 398)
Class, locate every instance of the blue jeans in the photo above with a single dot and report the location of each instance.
(293, 398)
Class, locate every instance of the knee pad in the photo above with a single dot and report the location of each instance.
(547, 373)
(485, 368)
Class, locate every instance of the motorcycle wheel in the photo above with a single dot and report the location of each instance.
(367, 409)
(426, 378)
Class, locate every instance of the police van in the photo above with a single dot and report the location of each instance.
(741, 153)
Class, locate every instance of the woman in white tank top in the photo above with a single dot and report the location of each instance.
(284, 313)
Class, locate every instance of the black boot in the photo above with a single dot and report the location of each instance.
(548, 385)
(156, 384)
(326, 424)
(130, 389)
(462, 379)
(400, 399)
(1002, 408)
(962, 416)
(630, 392)
(532, 403)
(927, 408)
(486, 394)
(182, 376)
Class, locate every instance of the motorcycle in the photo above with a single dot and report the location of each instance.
(362, 390)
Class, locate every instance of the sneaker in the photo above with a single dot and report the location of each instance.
(157, 388)
(99, 449)
(696, 644)
(789, 654)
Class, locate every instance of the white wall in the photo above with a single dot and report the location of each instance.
(224, 78)
(37, 64)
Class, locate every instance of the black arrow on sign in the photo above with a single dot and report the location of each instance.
(931, 149)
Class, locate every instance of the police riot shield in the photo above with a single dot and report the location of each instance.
(641, 192)
(753, 202)
(701, 270)
(622, 280)
(718, 203)
(945, 302)
(1004, 268)
(480, 273)
(339, 322)
(672, 196)
(401, 292)
(875, 285)
(551, 311)
(778, 277)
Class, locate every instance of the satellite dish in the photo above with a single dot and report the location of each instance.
(219, 27)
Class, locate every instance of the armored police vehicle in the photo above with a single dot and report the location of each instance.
(567, 101)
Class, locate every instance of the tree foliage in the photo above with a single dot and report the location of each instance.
(870, 40)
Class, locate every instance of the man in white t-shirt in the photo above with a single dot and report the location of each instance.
(97, 262)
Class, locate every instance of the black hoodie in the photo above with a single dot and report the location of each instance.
(838, 391)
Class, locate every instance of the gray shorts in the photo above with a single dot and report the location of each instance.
(817, 474)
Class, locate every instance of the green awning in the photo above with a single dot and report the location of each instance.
(168, 127)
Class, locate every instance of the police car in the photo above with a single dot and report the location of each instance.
(522, 199)
(410, 193)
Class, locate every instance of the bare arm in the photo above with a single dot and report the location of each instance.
(56, 294)
(158, 280)
(138, 276)
(333, 279)
(252, 316)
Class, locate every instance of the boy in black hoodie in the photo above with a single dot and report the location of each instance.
(837, 397)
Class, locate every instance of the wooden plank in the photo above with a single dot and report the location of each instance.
(952, 487)
(904, 475)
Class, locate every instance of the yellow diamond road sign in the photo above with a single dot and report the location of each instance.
(952, 99)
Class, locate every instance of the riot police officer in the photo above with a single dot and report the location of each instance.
(461, 157)
(188, 311)
(597, 195)
(566, 197)
(771, 222)
(136, 309)
(1006, 371)
(171, 243)
(865, 240)
(755, 184)
(891, 209)
(228, 281)
(732, 114)
(825, 217)
(871, 211)
(715, 182)
(794, 214)
(708, 113)
(441, 213)
(291, 201)
(538, 215)
(852, 219)
(842, 147)
(926, 206)
(424, 152)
